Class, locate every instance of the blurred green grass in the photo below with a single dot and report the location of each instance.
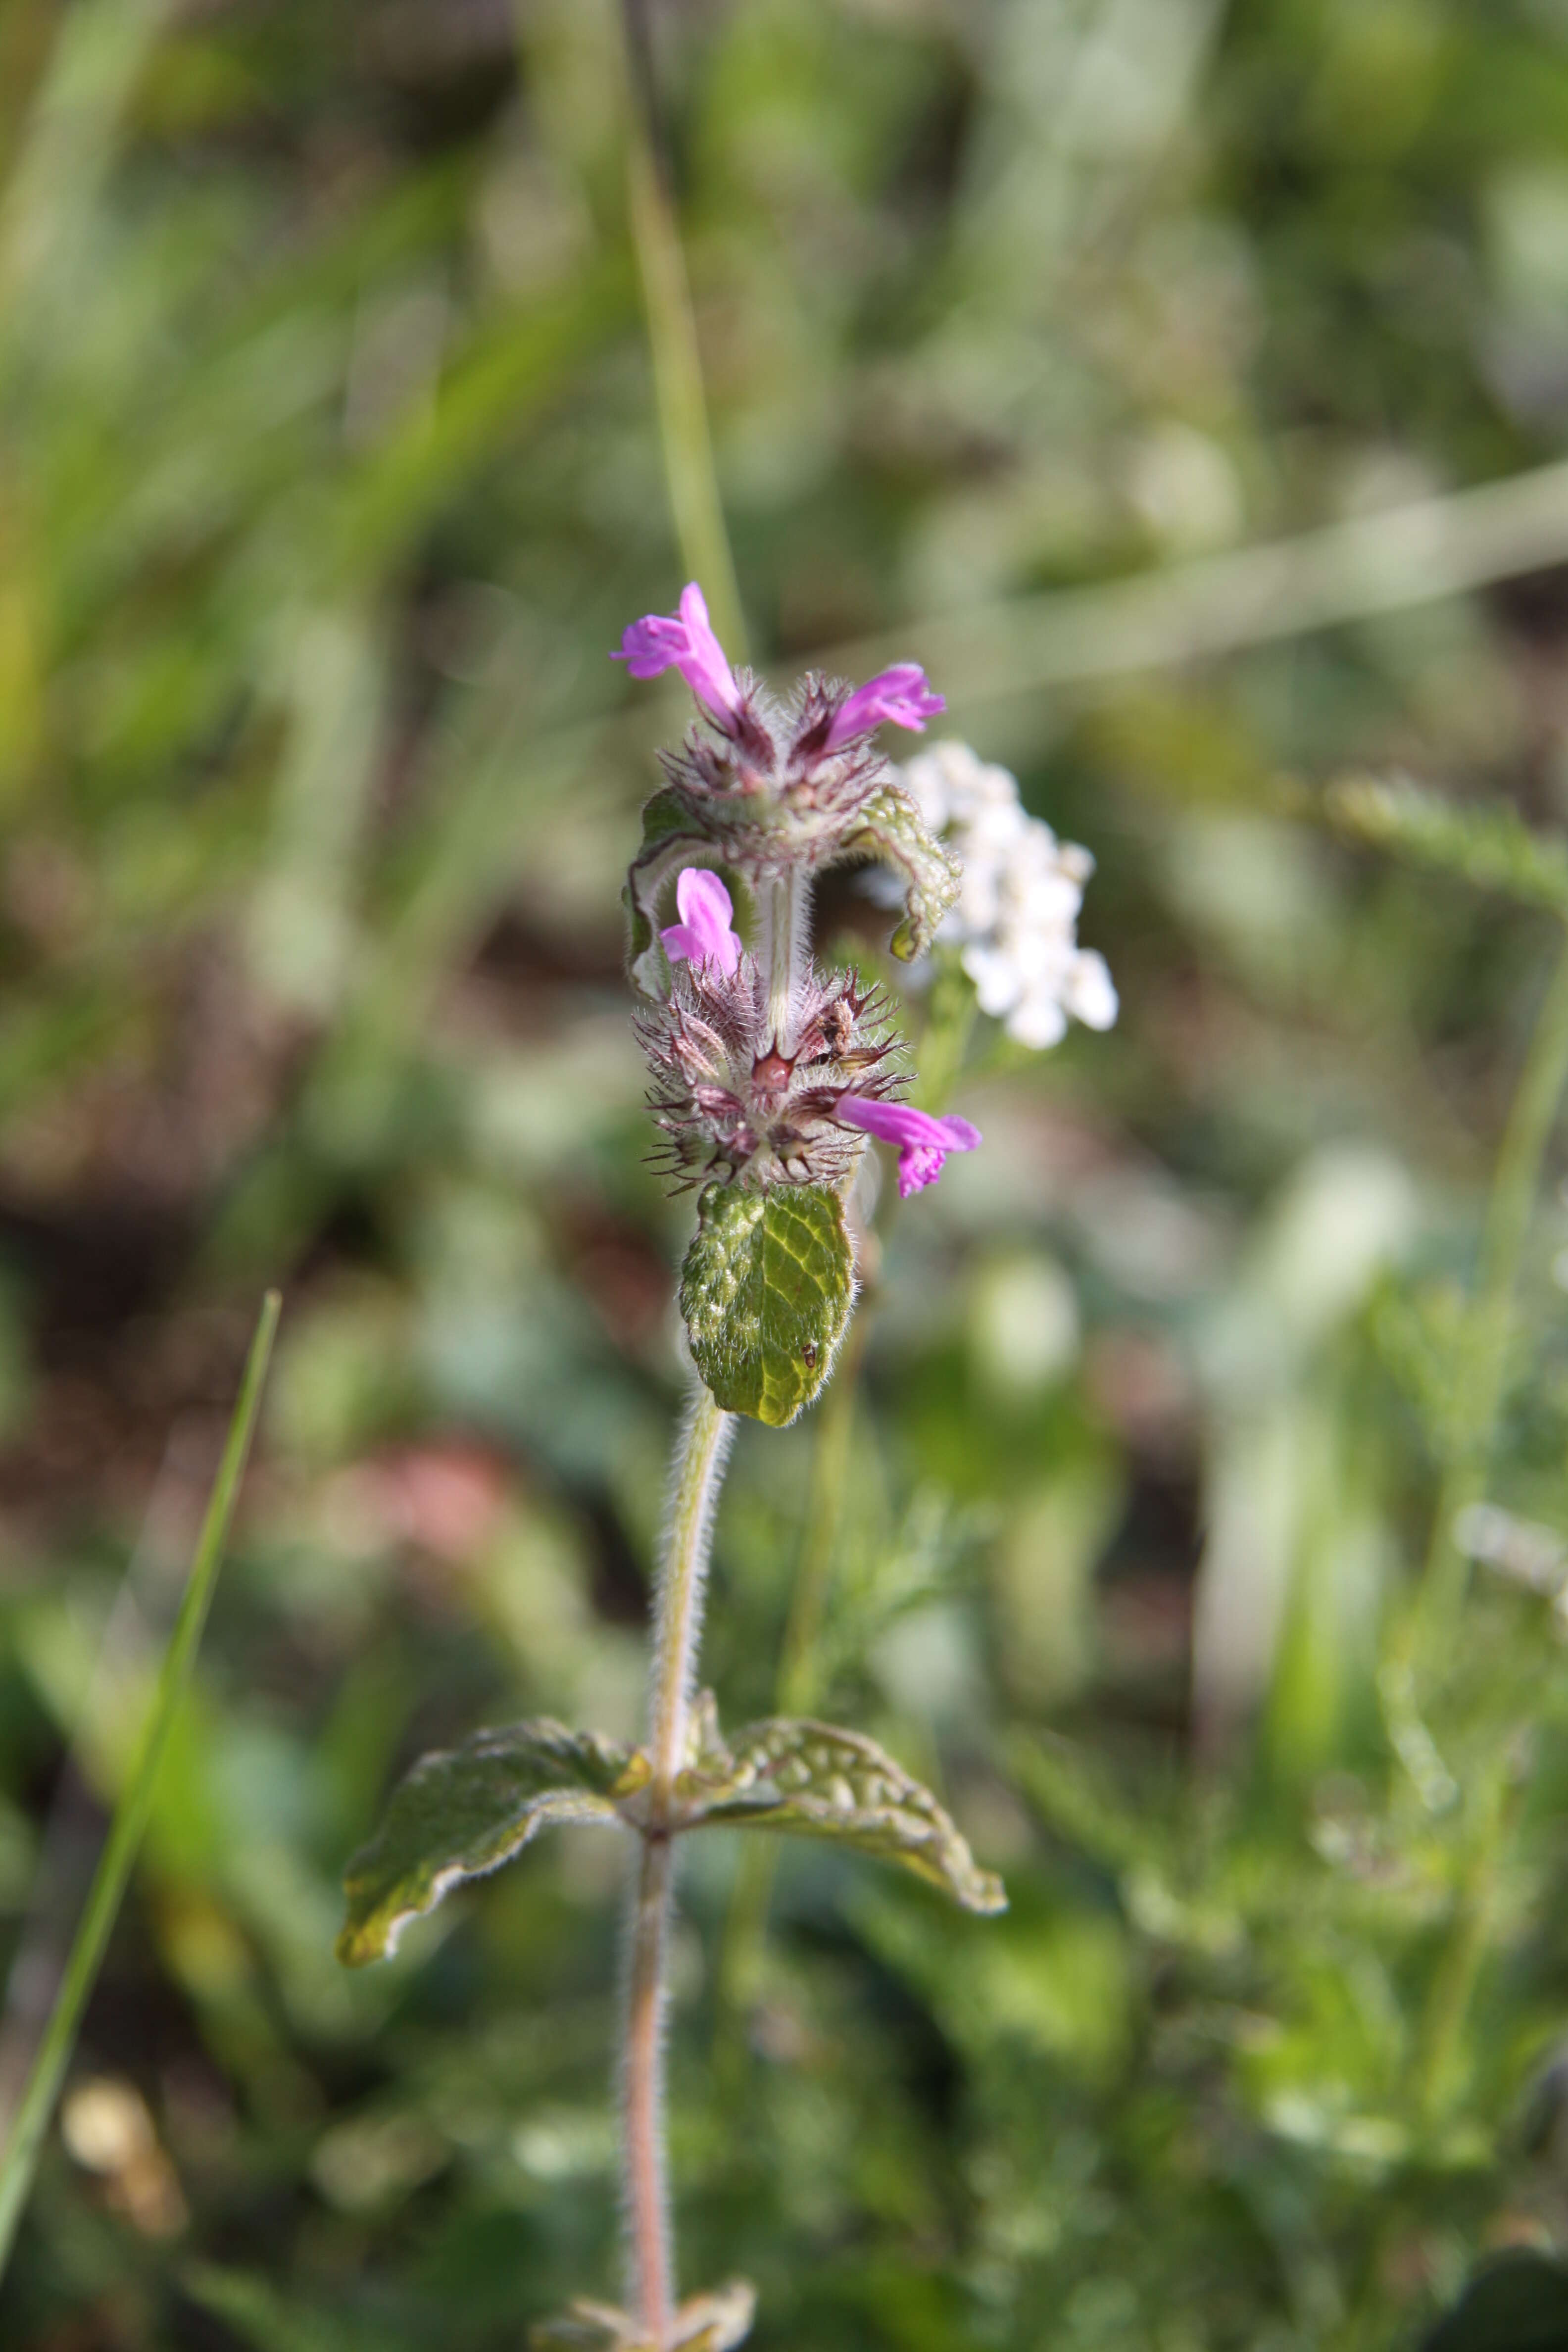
(328, 474)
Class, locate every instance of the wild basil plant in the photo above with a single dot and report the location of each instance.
(769, 1076)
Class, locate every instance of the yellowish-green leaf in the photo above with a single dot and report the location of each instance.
(892, 831)
(817, 1781)
(767, 1290)
(465, 1810)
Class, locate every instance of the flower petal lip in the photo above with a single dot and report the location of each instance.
(705, 929)
(924, 1141)
(900, 694)
(685, 642)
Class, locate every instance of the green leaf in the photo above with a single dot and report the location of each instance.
(892, 831)
(465, 1810)
(1487, 844)
(819, 1782)
(709, 2322)
(671, 838)
(766, 1291)
(1517, 2303)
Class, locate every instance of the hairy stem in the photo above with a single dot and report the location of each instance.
(644, 2172)
(783, 948)
(683, 1572)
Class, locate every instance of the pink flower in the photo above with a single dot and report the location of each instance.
(924, 1141)
(655, 643)
(900, 694)
(704, 933)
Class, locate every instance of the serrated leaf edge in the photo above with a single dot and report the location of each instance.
(377, 1934)
(719, 1369)
(741, 1798)
(892, 831)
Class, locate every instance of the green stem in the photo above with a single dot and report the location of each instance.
(950, 1013)
(796, 1691)
(1458, 1970)
(131, 1812)
(691, 475)
(1483, 1375)
(782, 947)
(683, 1576)
(683, 1573)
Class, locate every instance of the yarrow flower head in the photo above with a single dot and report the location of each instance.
(1015, 915)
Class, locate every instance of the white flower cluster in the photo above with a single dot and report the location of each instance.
(1016, 919)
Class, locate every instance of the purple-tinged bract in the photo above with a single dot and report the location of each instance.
(733, 1106)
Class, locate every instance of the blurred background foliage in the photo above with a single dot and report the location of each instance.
(328, 473)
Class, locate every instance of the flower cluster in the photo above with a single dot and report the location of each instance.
(777, 790)
(731, 1104)
(775, 785)
(1015, 919)
(766, 1071)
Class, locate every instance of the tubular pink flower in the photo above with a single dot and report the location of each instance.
(900, 694)
(704, 933)
(657, 643)
(924, 1141)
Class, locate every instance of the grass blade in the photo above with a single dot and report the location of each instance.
(685, 433)
(131, 1814)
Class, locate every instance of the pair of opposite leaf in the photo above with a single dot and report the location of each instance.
(463, 1811)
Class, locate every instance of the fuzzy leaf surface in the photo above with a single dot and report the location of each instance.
(767, 1290)
(817, 1781)
(463, 1811)
(890, 830)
